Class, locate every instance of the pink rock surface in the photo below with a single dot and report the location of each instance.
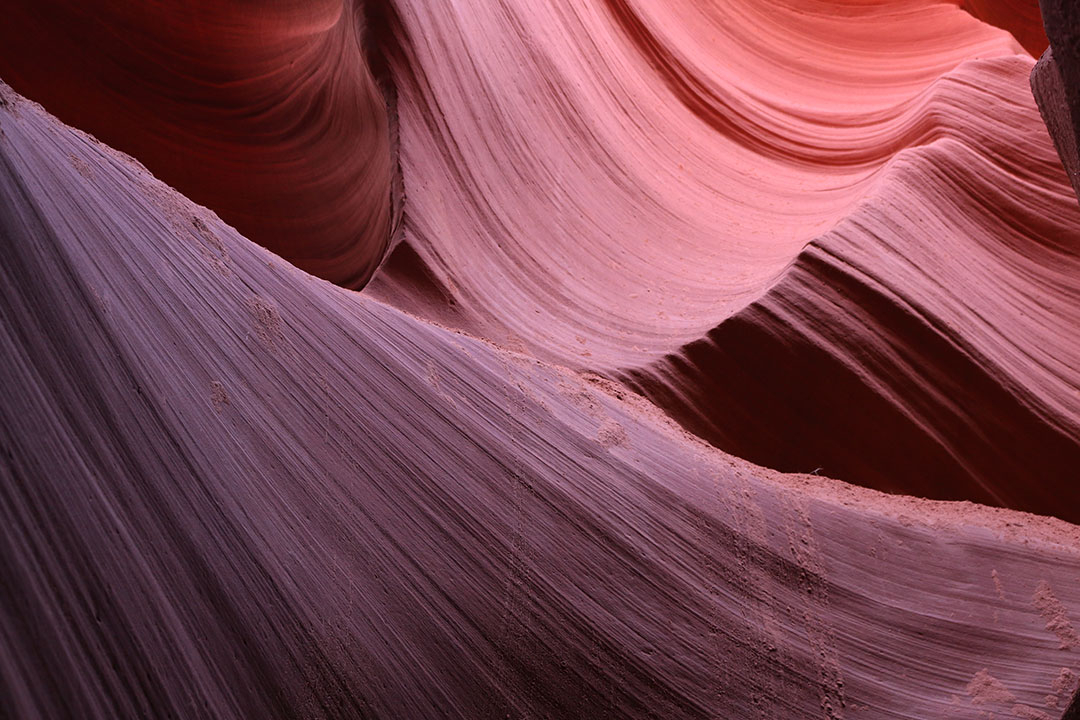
(810, 253)
(232, 489)
(643, 247)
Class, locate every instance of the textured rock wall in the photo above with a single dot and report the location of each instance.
(233, 490)
(644, 278)
(267, 111)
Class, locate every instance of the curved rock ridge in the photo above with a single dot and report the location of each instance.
(230, 489)
(267, 111)
(880, 392)
(594, 174)
(605, 185)
(880, 356)
(618, 193)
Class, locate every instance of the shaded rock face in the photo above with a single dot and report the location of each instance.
(1020, 17)
(1055, 81)
(1048, 86)
(664, 271)
(267, 111)
(1073, 713)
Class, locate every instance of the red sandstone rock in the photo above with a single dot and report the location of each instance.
(1019, 17)
(267, 111)
(829, 237)
(231, 489)
(809, 253)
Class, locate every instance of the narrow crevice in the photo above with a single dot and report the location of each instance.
(382, 47)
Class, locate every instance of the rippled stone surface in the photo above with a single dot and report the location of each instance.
(640, 280)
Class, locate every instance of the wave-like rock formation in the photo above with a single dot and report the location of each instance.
(267, 111)
(636, 195)
(637, 277)
(233, 490)
(808, 253)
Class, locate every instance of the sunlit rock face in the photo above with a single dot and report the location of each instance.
(709, 359)
(809, 252)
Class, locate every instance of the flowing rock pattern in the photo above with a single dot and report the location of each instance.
(644, 246)
(266, 110)
(881, 284)
(267, 496)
